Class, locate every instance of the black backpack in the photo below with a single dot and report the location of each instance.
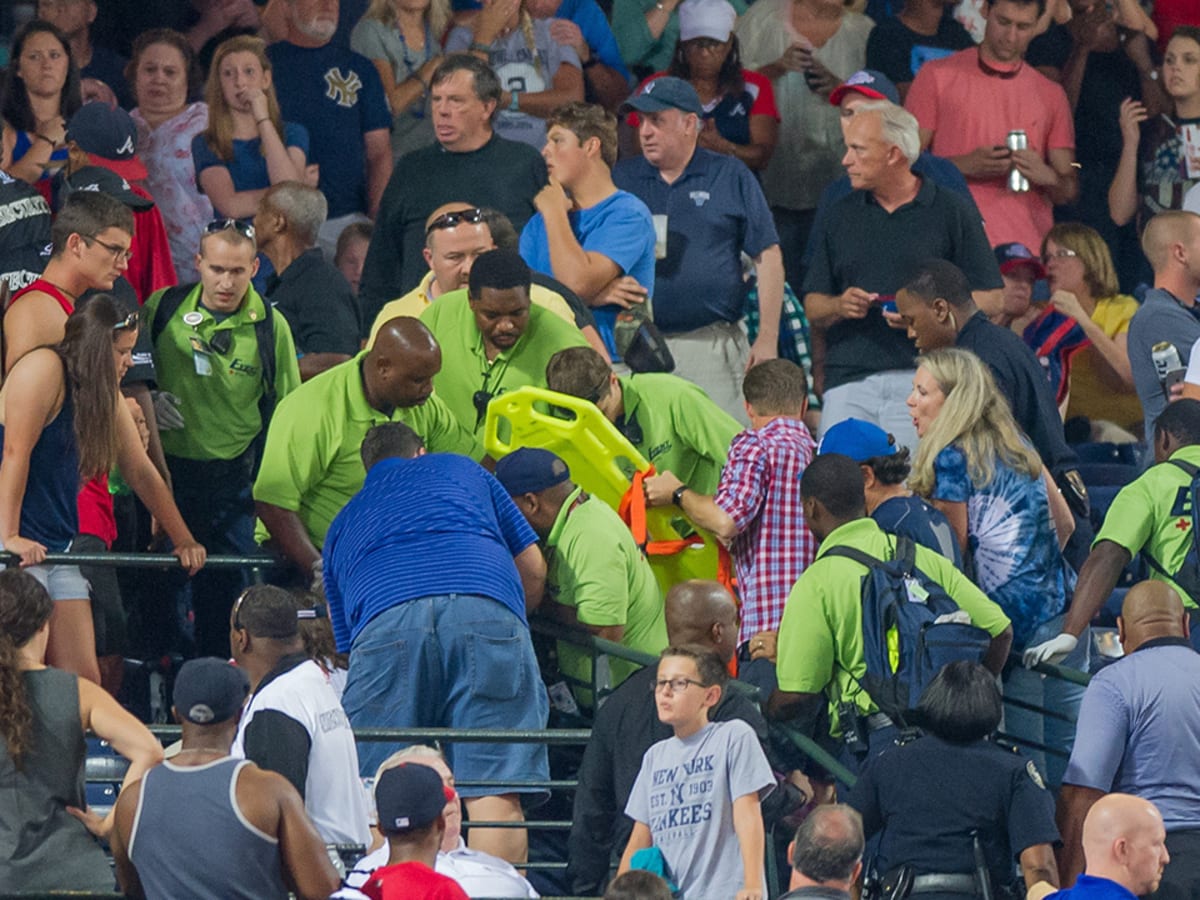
(264, 333)
(899, 597)
(1188, 575)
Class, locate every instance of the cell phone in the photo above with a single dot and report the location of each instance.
(1171, 379)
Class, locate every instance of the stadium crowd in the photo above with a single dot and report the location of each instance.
(838, 357)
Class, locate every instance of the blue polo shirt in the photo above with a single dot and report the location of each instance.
(593, 24)
(619, 227)
(438, 524)
(1139, 716)
(337, 95)
(1088, 887)
(715, 210)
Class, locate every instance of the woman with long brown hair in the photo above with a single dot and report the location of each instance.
(41, 95)
(44, 714)
(62, 422)
(247, 147)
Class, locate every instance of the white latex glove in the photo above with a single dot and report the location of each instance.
(166, 411)
(1054, 650)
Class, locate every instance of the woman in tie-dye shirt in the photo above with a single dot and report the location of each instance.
(976, 466)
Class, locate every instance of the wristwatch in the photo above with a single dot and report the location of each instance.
(677, 495)
(514, 104)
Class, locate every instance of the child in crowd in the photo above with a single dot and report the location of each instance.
(696, 798)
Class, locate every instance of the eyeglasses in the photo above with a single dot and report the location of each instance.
(130, 321)
(119, 253)
(216, 226)
(677, 685)
(704, 45)
(451, 219)
(1062, 253)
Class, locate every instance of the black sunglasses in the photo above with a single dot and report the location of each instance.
(451, 219)
(216, 226)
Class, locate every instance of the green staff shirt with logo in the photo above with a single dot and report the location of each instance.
(218, 392)
(821, 634)
(594, 566)
(465, 368)
(683, 431)
(311, 462)
(1154, 515)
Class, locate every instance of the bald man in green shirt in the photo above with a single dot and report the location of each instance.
(311, 462)
(670, 421)
(493, 340)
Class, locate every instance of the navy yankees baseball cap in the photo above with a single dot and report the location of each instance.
(530, 470)
(209, 691)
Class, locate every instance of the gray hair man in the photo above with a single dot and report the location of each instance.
(312, 294)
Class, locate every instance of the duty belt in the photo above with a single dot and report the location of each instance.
(938, 883)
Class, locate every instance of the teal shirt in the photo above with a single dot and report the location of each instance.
(638, 47)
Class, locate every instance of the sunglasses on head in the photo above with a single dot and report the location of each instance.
(452, 219)
(216, 226)
(130, 321)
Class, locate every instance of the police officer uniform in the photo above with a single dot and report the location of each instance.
(928, 798)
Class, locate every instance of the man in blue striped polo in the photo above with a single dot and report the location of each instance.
(429, 572)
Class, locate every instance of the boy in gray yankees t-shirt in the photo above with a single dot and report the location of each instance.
(697, 795)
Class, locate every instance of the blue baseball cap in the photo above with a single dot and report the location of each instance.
(871, 83)
(667, 92)
(858, 439)
(530, 470)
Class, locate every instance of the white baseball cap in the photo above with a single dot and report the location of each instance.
(706, 19)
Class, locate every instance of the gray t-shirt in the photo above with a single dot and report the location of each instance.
(684, 793)
(519, 68)
(412, 128)
(1139, 715)
(1161, 318)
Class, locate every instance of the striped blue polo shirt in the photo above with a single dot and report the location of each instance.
(438, 524)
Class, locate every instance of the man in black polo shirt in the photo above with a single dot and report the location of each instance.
(870, 242)
(310, 292)
(937, 308)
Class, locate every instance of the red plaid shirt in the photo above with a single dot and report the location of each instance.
(760, 491)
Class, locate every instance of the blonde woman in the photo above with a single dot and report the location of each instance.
(403, 38)
(247, 147)
(537, 74)
(1084, 286)
(975, 465)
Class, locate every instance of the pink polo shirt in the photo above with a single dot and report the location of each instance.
(966, 108)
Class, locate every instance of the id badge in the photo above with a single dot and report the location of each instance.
(200, 356)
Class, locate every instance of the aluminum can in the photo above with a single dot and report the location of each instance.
(1017, 140)
(1166, 359)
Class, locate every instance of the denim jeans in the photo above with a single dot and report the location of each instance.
(450, 661)
(1052, 694)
